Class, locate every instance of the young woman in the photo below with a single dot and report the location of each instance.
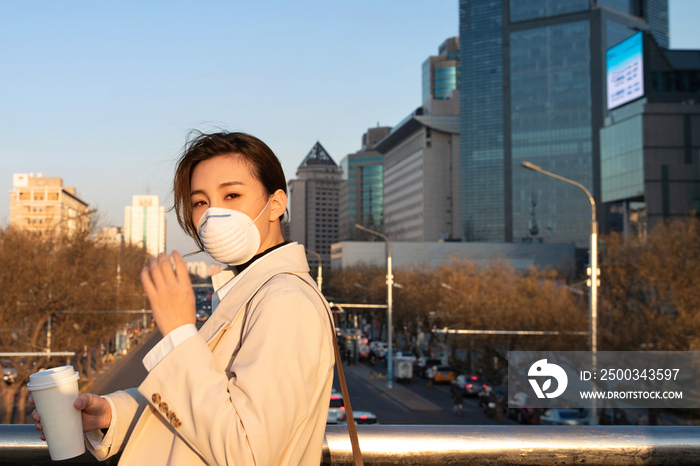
(252, 386)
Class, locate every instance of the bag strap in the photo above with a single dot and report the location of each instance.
(356, 453)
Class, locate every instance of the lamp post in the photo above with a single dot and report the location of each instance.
(593, 298)
(319, 276)
(389, 303)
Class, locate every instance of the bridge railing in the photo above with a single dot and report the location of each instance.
(454, 445)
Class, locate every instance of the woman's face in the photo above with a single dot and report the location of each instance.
(227, 181)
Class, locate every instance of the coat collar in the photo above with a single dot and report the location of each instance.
(289, 259)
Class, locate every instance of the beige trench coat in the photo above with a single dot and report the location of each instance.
(252, 388)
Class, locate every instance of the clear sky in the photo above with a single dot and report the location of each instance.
(103, 94)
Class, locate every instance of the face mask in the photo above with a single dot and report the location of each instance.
(229, 236)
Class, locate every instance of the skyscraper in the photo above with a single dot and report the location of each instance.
(361, 196)
(533, 88)
(441, 73)
(313, 200)
(144, 224)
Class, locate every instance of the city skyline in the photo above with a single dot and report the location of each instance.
(103, 97)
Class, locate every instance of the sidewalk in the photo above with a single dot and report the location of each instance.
(397, 393)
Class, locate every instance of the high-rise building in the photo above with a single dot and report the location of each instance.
(144, 224)
(361, 195)
(39, 203)
(441, 74)
(421, 158)
(533, 89)
(650, 146)
(112, 236)
(421, 178)
(313, 200)
(199, 269)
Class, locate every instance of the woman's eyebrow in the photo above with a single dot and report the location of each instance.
(222, 185)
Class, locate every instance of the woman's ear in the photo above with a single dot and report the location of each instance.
(278, 205)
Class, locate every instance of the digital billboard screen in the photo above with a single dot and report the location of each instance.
(625, 71)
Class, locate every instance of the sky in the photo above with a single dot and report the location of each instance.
(104, 94)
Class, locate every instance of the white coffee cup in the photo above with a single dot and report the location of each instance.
(54, 391)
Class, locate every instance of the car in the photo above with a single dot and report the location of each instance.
(337, 407)
(467, 385)
(9, 375)
(332, 417)
(203, 311)
(423, 363)
(364, 417)
(443, 374)
(378, 349)
(564, 417)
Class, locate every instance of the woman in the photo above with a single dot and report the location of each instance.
(252, 386)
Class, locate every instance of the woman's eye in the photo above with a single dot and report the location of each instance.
(198, 203)
(231, 196)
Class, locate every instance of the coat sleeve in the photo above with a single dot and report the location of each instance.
(129, 405)
(279, 375)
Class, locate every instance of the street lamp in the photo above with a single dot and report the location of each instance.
(319, 276)
(593, 298)
(389, 302)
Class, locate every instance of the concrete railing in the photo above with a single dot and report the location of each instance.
(453, 445)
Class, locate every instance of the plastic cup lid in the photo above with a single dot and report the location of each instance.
(53, 377)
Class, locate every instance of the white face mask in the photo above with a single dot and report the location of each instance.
(229, 236)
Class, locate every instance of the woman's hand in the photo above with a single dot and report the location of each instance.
(95, 411)
(169, 292)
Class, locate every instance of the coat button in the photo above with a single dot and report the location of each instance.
(163, 406)
(156, 398)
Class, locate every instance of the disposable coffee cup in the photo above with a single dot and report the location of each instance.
(54, 391)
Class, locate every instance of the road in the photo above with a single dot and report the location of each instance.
(366, 398)
(130, 372)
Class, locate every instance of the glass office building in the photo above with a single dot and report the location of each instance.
(533, 89)
(440, 74)
(362, 188)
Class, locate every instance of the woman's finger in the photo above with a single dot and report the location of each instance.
(166, 268)
(181, 268)
(156, 274)
(38, 426)
(31, 399)
(147, 283)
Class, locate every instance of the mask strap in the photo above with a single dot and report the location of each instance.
(263, 209)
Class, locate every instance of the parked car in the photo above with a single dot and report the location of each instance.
(564, 417)
(444, 374)
(337, 407)
(423, 363)
(467, 385)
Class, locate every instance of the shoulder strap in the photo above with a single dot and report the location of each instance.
(356, 453)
